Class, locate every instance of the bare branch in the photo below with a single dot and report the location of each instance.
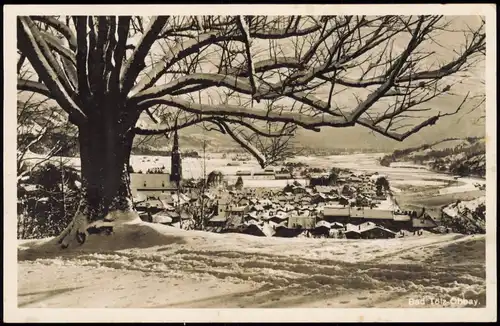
(308, 122)
(136, 62)
(31, 86)
(60, 27)
(30, 47)
(82, 56)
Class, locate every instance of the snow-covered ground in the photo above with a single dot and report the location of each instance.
(401, 173)
(453, 210)
(418, 182)
(150, 265)
(467, 184)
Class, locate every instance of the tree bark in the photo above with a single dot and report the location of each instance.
(105, 146)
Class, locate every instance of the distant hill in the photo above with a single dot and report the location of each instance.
(462, 156)
(329, 140)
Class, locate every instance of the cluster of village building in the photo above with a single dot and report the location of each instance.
(353, 208)
(347, 206)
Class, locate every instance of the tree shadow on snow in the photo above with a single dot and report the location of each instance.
(43, 295)
(244, 299)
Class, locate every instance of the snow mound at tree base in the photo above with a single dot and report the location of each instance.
(151, 237)
(135, 234)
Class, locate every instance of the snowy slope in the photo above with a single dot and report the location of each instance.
(466, 216)
(150, 265)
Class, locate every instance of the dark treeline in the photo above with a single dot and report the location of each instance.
(156, 152)
(310, 151)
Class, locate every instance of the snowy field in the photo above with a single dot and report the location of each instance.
(398, 173)
(401, 173)
(147, 265)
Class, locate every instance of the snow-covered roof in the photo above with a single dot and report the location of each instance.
(209, 195)
(238, 208)
(162, 218)
(324, 189)
(401, 217)
(258, 207)
(367, 226)
(166, 205)
(252, 214)
(336, 225)
(218, 218)
(323, 223)
(278, 216)
(253, 222)
(426, 222)
(265, 229)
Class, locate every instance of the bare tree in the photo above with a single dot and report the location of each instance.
(118, 77)
(36, 122)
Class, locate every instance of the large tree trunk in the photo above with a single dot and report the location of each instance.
(105, 146)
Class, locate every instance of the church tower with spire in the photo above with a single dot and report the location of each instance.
(176, 164)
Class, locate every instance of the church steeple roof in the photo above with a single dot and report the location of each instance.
(175, 146)
(176, 165)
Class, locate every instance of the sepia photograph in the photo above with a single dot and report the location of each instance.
(258, 161)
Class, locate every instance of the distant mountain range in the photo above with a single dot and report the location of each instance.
(351, 138)
(329, 139)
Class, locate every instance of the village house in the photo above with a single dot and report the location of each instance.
(278, 219)
(222, 207)
(180, 199)
(320, 179)
(218, 221)
(355, 179)
(243, 201)
(327, 190)
(301, 222)
(162, 217)
(256, 208)
(150, 207)
(322, 198)
(369, 230)
(296, 190)
(423, 222)
(177, 217)
(361, 215)
(266, 175)
(264, 230)
(284, 231)
(253, 215)
(322, 228)
(283, 176)
(238, 210)
(151, 185)
(234, 224)
(305, 200)
(243, 173)
(336, 214)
